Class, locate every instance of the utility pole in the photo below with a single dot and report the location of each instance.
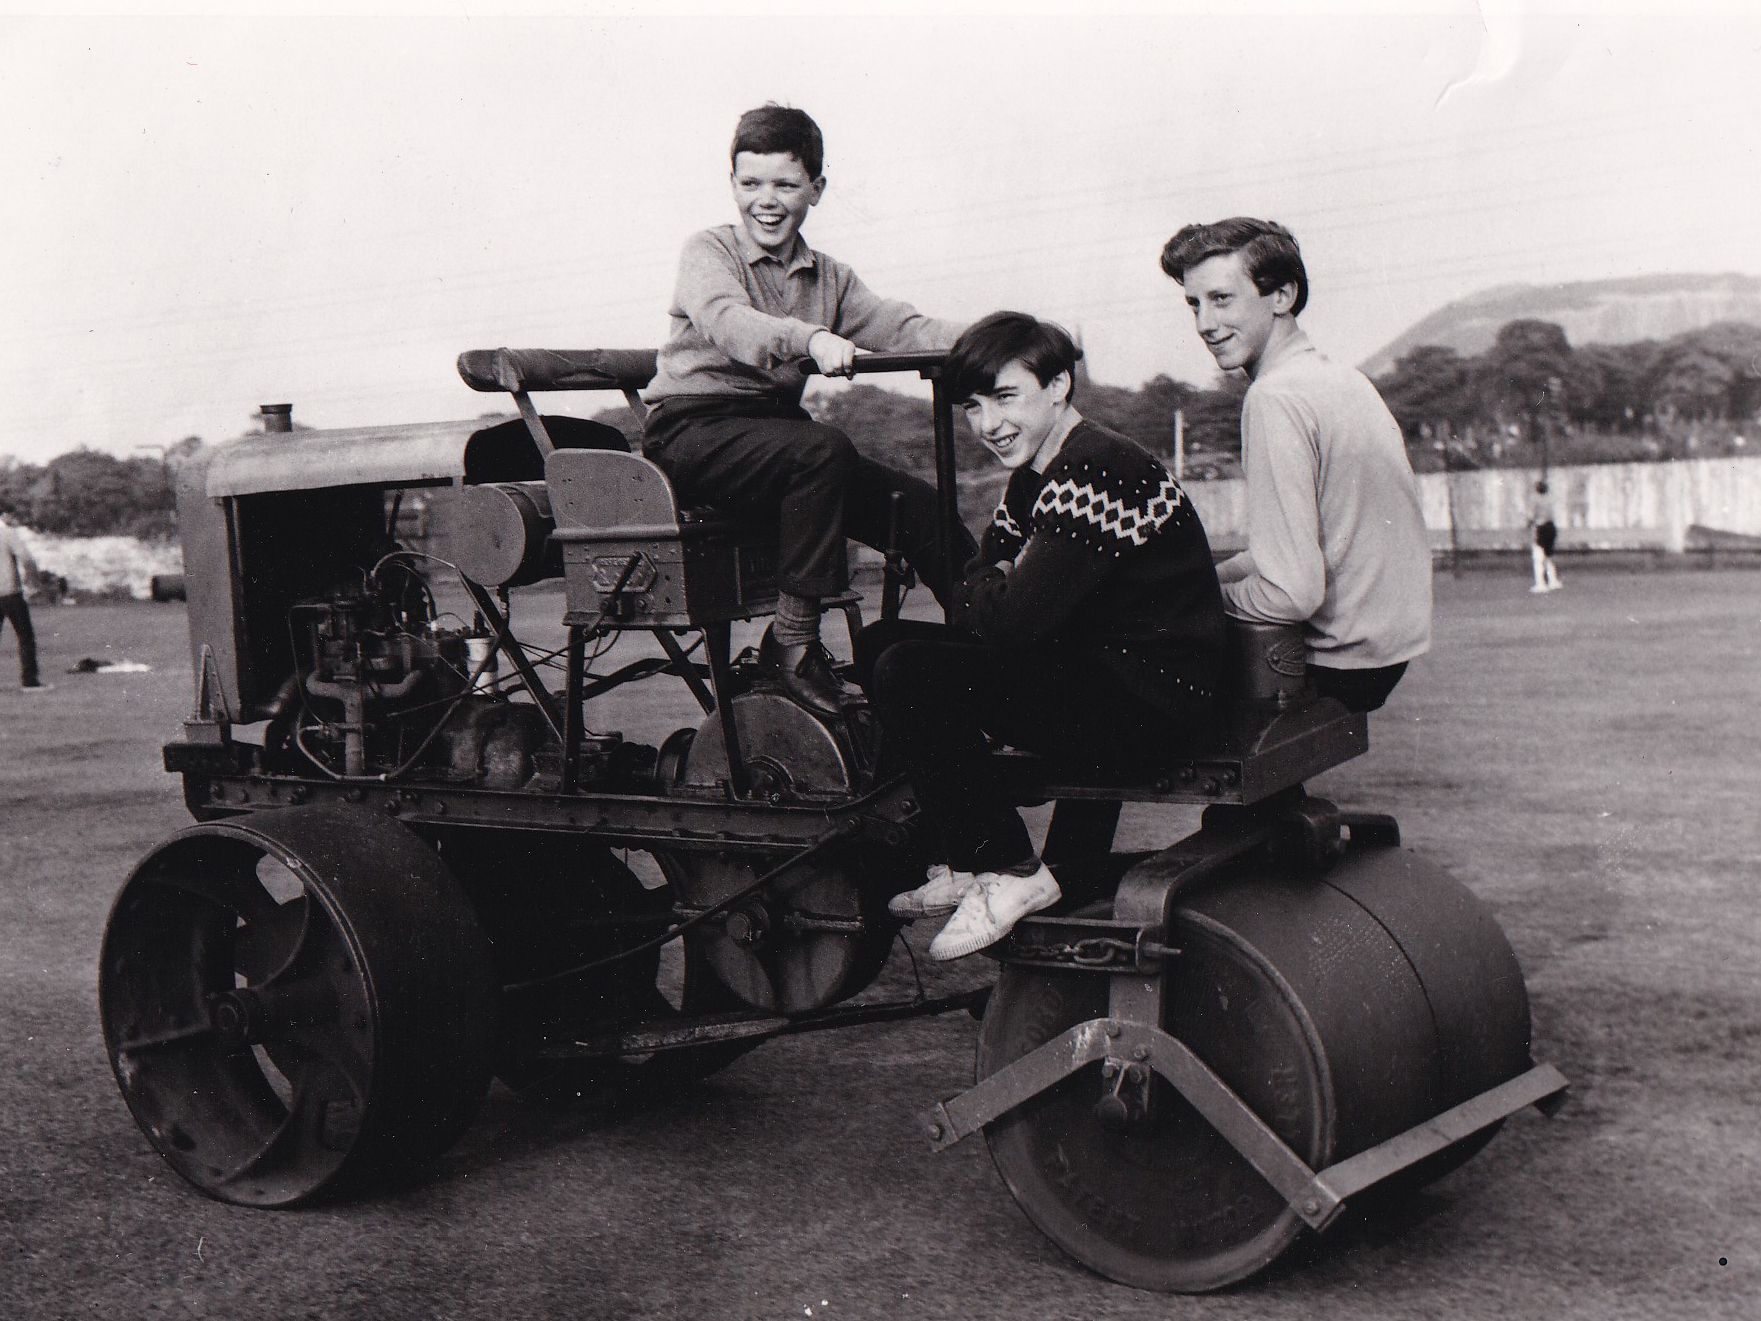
(1449, 493)
(1551, 397)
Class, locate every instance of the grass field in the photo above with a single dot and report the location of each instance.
(1586, 762)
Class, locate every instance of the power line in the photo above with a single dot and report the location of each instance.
(1437, 206)
(1287, 171)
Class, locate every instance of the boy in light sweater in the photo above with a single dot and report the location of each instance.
(1335, 537)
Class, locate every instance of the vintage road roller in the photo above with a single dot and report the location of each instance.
(411, 867)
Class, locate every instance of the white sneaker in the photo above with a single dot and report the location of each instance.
(939, 895)
(990, 910)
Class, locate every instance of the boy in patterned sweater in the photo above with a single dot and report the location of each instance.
(1091, 631)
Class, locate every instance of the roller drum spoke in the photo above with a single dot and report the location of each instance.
(168, 1039)
(267, 944)
(324, 1120)
(334, 1043)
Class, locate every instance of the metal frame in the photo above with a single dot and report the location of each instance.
(1316, 1196)
(755, 1027)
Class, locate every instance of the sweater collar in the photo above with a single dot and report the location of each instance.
(800, 255)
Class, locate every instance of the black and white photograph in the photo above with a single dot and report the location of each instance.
(880, 661)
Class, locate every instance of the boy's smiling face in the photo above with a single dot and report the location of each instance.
(1234, 319)
(774, 195)
(1018, 417)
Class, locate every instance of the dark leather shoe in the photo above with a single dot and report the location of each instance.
(806, 674)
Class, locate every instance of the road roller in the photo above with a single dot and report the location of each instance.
(421, 860)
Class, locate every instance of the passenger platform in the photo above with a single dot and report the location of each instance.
(1263, 750)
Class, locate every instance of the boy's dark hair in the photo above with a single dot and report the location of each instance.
(1267, 249)
(774, 128)
(989, 345)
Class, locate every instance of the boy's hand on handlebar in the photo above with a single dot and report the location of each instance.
(832, 354)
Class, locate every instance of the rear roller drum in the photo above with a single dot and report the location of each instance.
(1343, 1010)
(293, 999)
(1164, 1203)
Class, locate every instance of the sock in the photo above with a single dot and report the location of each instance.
(797, 620)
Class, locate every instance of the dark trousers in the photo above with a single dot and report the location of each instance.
(812, 480)
(13, 608)
(1359, 690)
(938, 691)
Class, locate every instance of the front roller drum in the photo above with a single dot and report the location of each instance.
(1342, 1010)
(296, 999)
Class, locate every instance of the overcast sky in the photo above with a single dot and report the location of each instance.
(207, 214)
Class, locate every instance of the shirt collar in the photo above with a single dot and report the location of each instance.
(1297, 342)
(800, 255)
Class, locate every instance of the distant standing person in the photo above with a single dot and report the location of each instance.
(15, 569)
(1541, 548)
(1335, 536)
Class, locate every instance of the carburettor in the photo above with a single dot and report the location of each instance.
(367, 662)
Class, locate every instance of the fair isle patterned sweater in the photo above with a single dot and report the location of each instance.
(1105, 551)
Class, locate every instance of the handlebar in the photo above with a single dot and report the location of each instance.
(625, 369)
(927, 365)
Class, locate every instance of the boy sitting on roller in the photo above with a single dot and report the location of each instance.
(725, 419)
(1092, 632)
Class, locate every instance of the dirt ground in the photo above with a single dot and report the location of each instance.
(1586, 762)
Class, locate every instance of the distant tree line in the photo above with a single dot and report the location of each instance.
(898, 428)
(1530, 399)
(88, 493)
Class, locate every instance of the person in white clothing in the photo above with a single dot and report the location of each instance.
(15, 569)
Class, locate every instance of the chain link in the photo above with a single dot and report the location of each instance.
(1095, 952)
(1091, 952)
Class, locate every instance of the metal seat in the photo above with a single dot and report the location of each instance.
(1273, 733)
